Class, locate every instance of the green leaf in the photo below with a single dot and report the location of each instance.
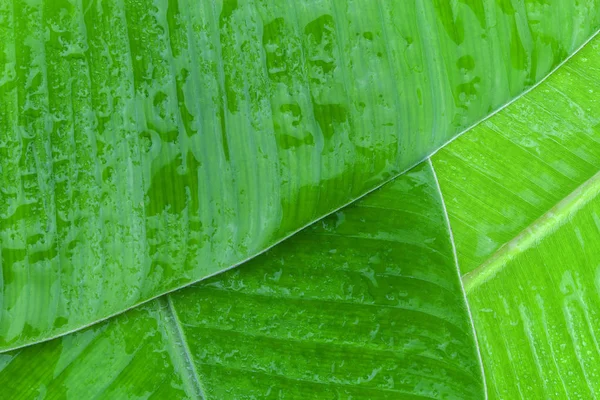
(522, 195)
(146, 145)
(512, 169)
(365, 304)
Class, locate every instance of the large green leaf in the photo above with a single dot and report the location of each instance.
(512, 169)
(366, 304)
(145, 145)
(522, 193)
(538, 318)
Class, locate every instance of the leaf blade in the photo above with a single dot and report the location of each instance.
(533, 296)
(551, 134)
(114, 146)
(313, 317)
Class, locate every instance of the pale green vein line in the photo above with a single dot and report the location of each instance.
(549, 222)
(388, 51)
(547, 331)
(181, 356)
(339, 345)
(337, 302)
(462, 288)
(344, 72)
(342, 385)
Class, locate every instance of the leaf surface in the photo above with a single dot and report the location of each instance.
(146, 145)
(512, 169)
(365, 304)
(522, 192)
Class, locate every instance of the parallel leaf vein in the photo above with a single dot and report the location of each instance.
(186, 362)
(549, 222)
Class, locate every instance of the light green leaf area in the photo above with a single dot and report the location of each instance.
(145, 145)
(521, 191)
(538, 318)
(365, 304)
(512, 169)
(135, 355)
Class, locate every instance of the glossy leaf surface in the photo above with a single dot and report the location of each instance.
(522, 191)
(537, 319)
(513, 168)
(365, 304)
(145, 145)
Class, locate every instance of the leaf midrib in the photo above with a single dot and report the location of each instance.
(181, 355)
(543, 225)
(546, 224)
(462, 285)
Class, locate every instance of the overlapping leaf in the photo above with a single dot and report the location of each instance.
(146, 145)
(522, 194)
(365, 304)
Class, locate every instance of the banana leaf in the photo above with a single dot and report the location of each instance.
(150, 145)
(364, 304)
(146, 145)
(370, 303)
(527, 228)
